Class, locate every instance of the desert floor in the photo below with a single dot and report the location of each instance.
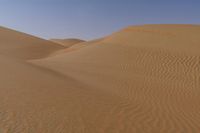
(142, 79)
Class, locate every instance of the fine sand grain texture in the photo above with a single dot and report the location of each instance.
(142, 79)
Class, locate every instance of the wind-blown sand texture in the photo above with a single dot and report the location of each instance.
(142, 79)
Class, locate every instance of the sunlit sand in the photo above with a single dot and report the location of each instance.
(142, 79)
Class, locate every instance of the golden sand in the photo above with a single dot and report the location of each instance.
(142, 79)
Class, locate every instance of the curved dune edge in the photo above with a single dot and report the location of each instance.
(67, 42)
(24, 46)
(76, 46)
(142, 79)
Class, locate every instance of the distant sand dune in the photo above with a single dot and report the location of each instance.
(76, 46)
(67, 42)
(142, 79)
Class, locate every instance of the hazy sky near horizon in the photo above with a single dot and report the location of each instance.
(89, 19)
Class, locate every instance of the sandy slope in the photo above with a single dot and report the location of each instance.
(155, 68)
(21, 45)
(76, 46)
(67, 42)
(142, 79)
(37, 100)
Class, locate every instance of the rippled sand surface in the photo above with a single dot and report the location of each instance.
(142, 79)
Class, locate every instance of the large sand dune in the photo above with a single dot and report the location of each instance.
(21, 45)
(142, 79)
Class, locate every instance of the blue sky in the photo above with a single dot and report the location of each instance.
(89, 19)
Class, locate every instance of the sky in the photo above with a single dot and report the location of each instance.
(91, 19)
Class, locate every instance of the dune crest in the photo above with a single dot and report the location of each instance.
(67, 42)
(24, 46)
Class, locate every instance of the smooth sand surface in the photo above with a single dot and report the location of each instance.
(142, 79)
(67, 42)
(21, 45)
(76, 46)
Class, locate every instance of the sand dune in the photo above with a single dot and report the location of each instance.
(67, 42)
(21, 45)
(76, 46)
(142, 79)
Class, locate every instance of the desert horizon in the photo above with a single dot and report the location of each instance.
(99, 66)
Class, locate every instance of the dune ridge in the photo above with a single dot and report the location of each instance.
(24, 46)
(67, 42)
(142, 79)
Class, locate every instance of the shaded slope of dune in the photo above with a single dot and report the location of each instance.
(24, 46)
(154, 68)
